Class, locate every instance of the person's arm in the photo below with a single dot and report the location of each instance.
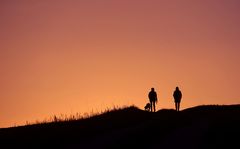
(156, 98)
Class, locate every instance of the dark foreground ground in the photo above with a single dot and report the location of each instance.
(206, 127)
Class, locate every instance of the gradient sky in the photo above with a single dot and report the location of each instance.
(68, 56)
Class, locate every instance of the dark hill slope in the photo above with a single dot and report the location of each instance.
(197, 127)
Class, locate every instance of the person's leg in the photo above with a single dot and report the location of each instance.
(151, 106)
(154, 107)
(176, 106)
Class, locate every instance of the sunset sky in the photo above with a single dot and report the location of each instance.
(68, 56)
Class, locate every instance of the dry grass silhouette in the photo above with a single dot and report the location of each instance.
(74, 117)
(206, 126)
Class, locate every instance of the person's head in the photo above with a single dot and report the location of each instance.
(177, 88)
(152, 89)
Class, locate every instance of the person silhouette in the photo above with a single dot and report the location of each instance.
(153, 99)
(177, 98)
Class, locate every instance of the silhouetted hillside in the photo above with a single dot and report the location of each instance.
(198, 127)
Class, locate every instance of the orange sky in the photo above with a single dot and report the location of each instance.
(67, 56)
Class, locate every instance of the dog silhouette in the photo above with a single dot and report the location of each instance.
(147, 107)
